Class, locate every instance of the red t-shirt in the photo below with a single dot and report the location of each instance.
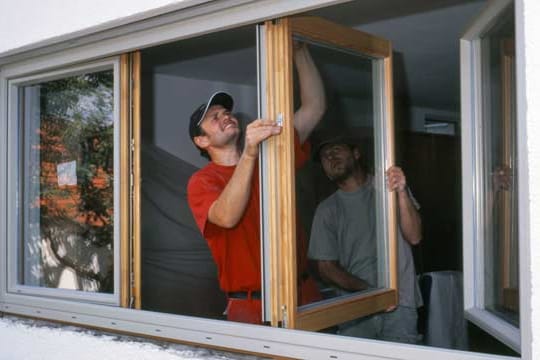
(236, 251)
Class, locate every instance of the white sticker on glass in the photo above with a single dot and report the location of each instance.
(67, 173)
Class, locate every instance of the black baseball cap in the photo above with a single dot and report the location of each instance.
(335, 139)
(218, 98)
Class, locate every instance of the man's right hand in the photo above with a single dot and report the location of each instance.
(331, 271)
(256, 132)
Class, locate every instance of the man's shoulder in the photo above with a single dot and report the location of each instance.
(207, 175)
(206, 169)
(328, 204)
(200, 173)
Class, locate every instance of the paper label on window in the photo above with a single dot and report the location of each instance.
(67, 173)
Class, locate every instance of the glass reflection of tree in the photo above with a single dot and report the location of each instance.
(76, 220)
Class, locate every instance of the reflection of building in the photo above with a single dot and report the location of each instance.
(74, 237)
(67, 199)
(93, 44)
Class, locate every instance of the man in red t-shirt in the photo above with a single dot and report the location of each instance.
(224, 195)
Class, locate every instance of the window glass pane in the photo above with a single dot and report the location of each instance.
(500, 171)
(186, 271)
(67, 173)
(338, 193)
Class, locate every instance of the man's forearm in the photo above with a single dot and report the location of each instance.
(312, 97)
(409, 219)
(231, 204)
(332, 272)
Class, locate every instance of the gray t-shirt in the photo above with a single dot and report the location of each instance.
(344, 229)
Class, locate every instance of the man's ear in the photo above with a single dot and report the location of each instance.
(356, 153)
(201, 141)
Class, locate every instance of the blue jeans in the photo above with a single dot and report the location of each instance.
(398, 326)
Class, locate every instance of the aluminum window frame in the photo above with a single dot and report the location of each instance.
(473, 107)
(241, 337)
(15, 143)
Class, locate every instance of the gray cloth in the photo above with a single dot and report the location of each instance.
(398, 326)
(344, 229)
(446, 324)
(177, 267)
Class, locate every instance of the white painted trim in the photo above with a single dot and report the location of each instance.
(472, 105)
(467, 172)
(526, 320)
(276, 342)
(116, 27)
(477, 180)
(225, 18)
(483, 22)
(117, 124)
(22, 80)
(3, 185)
(12, 225)
(263, 178)
(14, 206)
(382, 197)
(243, 337)
(499, 328)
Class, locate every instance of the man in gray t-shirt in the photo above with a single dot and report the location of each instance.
(344, 240)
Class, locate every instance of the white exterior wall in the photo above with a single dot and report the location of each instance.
(26, 22)
(528, 78)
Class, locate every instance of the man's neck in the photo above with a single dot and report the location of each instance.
(227, 156)
(354, 182)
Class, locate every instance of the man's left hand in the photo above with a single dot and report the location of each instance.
(395, 179)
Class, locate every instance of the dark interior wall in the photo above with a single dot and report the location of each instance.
(432, 164)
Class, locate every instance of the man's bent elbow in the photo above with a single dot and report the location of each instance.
(415, 240)
(225, 220)
(225, 223)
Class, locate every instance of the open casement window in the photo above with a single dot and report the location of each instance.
(65, 141)
(490, 222)
(363, 107)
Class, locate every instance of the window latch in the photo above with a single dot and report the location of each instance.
(279, 120)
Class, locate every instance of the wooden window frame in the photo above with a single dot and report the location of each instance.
(279, 167)
(130, 180)
(510, 293)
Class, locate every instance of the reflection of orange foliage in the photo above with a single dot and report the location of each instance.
(66, 201)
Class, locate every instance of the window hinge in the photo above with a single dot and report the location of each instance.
(132, 287)
(284, 316)
(131, 176)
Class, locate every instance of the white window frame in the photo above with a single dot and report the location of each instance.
(105, 41)
(474, 237)
(16, 182)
